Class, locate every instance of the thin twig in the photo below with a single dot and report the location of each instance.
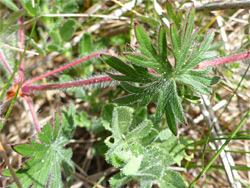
(87, 180)
(3, 153)
(19, 50)
(129, 9)
(86, 16)
(224, 6)
(218, 144)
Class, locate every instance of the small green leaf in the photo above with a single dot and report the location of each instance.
(40, 50)
(70, 7)
(140, 131)
(122, 118)
(132, 167)
(172, 179)
(85, 45)
(68, 29)
(106, 114)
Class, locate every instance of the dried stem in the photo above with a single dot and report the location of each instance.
(3, 153)
(223, 6)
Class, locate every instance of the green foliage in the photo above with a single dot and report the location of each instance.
(7, 26)
(59, 30)
(133, 149)
(162, 70)
(10, 4)
(47, 154)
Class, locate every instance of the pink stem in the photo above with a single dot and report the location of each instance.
(33, 113)
(58, 70)
(224, 60)
(6, 64)
(21, 43)
(27, 90)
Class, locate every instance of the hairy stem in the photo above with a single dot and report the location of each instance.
(21, 45)
(59, 69)
(31, 88)
(33, 113)
(224, 60)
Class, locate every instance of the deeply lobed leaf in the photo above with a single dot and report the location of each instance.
(185, 52)
(47, 154)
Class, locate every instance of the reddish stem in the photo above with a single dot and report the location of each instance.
(224, 60)
(59, 69)
(27, 90)
(33, 113)
(6, 65)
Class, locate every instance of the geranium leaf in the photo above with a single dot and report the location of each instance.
(47, 154)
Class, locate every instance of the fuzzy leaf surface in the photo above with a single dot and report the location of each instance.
(137, 152)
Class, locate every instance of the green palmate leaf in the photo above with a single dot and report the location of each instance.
(148, 74)
(47, 154)
(68, 29)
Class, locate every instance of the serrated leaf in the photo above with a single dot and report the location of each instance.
(140, 131)
(118, 180)
(47, 155)
(132, 167)
(68, 29)
(172, 179)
